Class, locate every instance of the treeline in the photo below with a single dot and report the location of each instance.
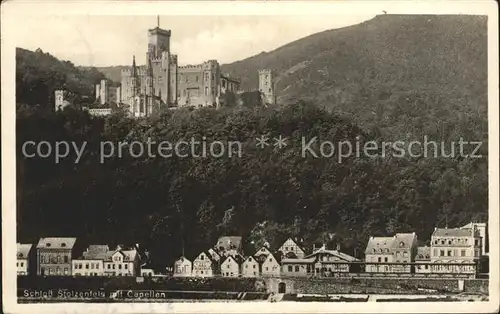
(39, 74)
(175, 204)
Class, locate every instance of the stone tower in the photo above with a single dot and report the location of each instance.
(60, 102)
(266, 86)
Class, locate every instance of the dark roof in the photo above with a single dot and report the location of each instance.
(380, 244)
(403, 240)
(229, 242)
(452, 232)
(23, 250)
(56, 243)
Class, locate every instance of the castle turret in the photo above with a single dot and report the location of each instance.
(266, 85)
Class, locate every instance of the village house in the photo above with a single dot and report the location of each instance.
(328, 262)
(183, 267)
(229, 245)
(24, 259)
(378, 254)
(483, 233)
(423, 259)
(91, 263)
(297, 267)
(204, 265)
(455, 250)
(271, 265)
(122, 262)
(250, 267)
(404, 249)
(54, 256)
(290, 249)
(262, 251)
(231, 266)
(146, 270)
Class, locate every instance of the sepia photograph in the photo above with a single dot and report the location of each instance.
(250, 157)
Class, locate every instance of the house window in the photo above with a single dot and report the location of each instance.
(65, 259)
(109, 266)
(267, 268)
(297, 268)
(462, 253)
(201, 272)
(202, 257)
(385, 259)
(119, 266)
(246, 266)
(253, 266)
(441, 252)
(87, 266)
(114, 266)
(125, 266)
(449, 252)
(197, 78)
(380, 259)
(92, 266)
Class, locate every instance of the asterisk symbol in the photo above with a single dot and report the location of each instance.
(280, 142)
(262, 141)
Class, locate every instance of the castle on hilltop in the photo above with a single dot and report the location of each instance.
(162, 83)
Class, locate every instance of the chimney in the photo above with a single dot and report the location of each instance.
(338, 246)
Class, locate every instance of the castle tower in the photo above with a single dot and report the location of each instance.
(266, 86)
(104, 92)
(60, 102)
(158, 41)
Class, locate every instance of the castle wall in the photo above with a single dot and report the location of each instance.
(198, 85)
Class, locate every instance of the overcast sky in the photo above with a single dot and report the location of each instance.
(112, 40)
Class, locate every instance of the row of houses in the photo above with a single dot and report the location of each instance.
(451, 250)
(227, 260)
(61, 256)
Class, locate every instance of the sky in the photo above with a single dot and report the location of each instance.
(91, 40)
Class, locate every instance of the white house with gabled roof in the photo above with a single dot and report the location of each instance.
(291, 249)
(183, 267)
(250, 267)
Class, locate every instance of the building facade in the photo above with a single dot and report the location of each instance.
(183, 267)
(205, 266)
(297, 267)
(122, 263)
(270, 266)
(330, 262)
(455, 250)
(230, 267)
(290, 249)
(404, 249)
(483, 233)
(24, 256)
(378, 254)
(250, 267)
(91, 263)
(54, 256)
(198, 85)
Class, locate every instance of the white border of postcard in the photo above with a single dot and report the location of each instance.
(12, 15)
